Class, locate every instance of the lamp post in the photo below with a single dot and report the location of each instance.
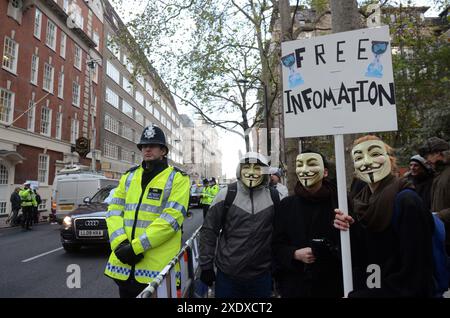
(91, 64)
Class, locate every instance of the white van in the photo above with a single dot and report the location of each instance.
(70, 189)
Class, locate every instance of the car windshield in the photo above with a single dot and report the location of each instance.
(101, 195)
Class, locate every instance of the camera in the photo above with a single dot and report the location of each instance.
(322, 248)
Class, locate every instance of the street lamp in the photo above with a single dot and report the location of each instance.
(266, 109)
(91, 64)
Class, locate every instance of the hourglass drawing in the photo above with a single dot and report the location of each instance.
(375, 69)
(295, 78)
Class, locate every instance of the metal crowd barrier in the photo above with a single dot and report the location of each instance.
(165, 284)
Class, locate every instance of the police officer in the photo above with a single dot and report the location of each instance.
(204, 201)
(213, 190)
(145, 216)
(27, 205)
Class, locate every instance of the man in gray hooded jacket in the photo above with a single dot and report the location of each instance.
(243, 254)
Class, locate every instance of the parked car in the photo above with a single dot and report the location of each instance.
(86, 225)
(194, 198)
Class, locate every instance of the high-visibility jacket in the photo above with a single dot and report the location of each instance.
(213, 190)
(205, 195)
(25, 197)
(33, 199)
(150, 220)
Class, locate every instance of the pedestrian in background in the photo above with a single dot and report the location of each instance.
(420, 174)
(15, 206)
(204, 198)
(305, 243)
(437, 152)
(275, 181)
(402, 251)
(36, 202)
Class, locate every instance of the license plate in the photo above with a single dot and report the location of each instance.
(66, 207)
(90, 233)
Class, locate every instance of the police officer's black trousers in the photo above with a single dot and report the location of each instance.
(129, 288)
(205, 210)
(28, 216)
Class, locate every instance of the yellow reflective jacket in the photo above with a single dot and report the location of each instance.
(26, 198)
(212, 193)
(151, 221)
(205, 195)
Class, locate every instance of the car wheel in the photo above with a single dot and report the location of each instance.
(71, 248)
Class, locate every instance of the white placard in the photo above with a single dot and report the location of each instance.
(339, 84)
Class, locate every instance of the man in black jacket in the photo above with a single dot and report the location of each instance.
(15, 206)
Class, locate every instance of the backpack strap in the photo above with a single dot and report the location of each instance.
(229, 198)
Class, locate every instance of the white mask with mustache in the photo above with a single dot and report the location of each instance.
(251, 174)
(309, 168)
(371, 161)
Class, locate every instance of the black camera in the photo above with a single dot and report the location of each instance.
(322, 248)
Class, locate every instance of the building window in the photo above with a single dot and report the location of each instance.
(149, 106)
(111, 124)
(95, 73)
(37, 23)
(3, 174)
(6, 106)
(59, 118)
(78, 57)
(112, 98)
(111, 150)
(139, 118)
(74, 130)
(156, 113)
(149, 88)
(96, 39)
(3, 207)
(48, 78)
(43, 205)
(34, 69)
(62, 47)
(10, 54)
(126, 156)
(140, 98)
(50, 40)
(46, 115)
(61, 85)
(31, 116)
(66, 6)
(43, 169)
(127, 109)
(76, 94)
(127, 133)
(112, 72)
(126, 85)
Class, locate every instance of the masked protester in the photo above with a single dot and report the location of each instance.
(244, 213)
(390, 260)
(305, 243)
(145, 216)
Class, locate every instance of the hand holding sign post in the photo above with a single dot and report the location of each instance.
(339, 92)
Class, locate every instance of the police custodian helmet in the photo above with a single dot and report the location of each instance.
(152, 135)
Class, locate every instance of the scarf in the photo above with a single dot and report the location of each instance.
(327, 191)
(375, 210)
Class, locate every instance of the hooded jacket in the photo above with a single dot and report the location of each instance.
(244, 248)
(440, 195)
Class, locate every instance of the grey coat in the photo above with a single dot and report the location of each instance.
(244, 250)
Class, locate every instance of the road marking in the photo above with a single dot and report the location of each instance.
(40, 255)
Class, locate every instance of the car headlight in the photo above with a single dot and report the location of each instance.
(67, 221)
